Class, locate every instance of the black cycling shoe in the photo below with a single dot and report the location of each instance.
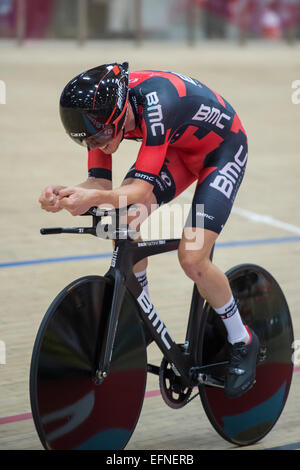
(242, 367)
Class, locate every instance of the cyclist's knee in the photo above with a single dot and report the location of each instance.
(194, 252)
(194, 264)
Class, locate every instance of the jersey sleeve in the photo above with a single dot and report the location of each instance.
(151, 155)
(156, 124)
(99, 164)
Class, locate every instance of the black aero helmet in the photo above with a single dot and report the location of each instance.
(94, 103)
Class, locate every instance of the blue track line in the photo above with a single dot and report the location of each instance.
(232, 244)
(54, 260)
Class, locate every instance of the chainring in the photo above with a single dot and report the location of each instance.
(174, 392)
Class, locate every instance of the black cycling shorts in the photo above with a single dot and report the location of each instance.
(218, 181)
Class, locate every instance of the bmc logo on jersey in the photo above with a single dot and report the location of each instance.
(228, 176)
(155, 113)
(211, 115)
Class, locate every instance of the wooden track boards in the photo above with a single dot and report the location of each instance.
(36, 152)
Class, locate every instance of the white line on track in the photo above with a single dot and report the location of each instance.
(254, 217)
(266, 219)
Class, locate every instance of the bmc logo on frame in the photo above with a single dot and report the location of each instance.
(2, 92)
(156, 321)
(2, 353)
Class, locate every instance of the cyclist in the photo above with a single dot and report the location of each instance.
(188, 133)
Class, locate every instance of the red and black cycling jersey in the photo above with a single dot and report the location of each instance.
(172, 111)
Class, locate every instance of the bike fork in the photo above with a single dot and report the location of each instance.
(117, 300)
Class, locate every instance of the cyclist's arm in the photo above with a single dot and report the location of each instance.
(99, 171)
(99, 177)
(96, 183)
(99, 166)
(149, 162)
(78, 200)
(136, 192)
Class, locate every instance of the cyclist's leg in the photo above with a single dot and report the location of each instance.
(214, 196)
(135, 216)
(217, 187)
(194, 256)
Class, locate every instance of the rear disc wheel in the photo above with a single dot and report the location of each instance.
(262, 305)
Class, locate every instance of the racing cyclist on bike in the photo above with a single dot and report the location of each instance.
(188, 133)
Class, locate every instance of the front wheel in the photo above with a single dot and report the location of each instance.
(70, 409)
(263, 307)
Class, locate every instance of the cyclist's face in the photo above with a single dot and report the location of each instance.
(110, 146)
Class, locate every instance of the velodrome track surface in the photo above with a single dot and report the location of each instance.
(264, 227)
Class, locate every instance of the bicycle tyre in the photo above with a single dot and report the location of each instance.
(70, 410)
(263, 307)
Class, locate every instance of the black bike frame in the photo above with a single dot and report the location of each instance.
(126, 254)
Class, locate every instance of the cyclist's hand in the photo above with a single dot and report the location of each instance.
(77, 200)
(49, 199)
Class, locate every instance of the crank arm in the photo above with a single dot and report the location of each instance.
(208, 367)
(205, 379)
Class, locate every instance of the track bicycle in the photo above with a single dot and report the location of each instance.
(89, 361)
